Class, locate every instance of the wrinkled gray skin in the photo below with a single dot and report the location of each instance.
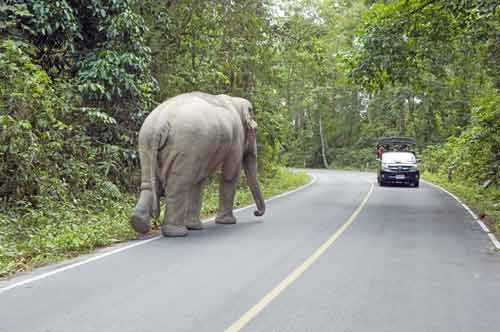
(182, 142)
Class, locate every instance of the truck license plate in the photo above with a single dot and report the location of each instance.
(400, 176)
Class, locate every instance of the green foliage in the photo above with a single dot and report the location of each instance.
(34, 132)
(63, 228)
(99, 44)
(425, 64)
(89, 86)
(475, 154)
(401, 39)
(118, 67)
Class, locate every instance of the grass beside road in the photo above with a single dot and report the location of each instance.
(484, 201)
(58, 230)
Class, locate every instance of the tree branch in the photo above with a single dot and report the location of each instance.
(416, 10)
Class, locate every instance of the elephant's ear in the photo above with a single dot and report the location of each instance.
(251, 133)
(251, 125)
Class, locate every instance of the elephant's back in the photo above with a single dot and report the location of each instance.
(199, 122)
(190, 105)
(198, 117)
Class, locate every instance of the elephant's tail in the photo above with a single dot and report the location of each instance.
(157, 144)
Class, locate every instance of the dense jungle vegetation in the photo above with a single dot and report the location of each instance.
(327, 78)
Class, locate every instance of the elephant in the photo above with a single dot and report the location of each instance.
(183, 141)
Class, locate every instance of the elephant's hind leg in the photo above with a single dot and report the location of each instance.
(177, 199)
(143, 212)
(141, 217)
(193, 222)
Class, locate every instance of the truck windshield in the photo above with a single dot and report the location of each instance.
(398, 157)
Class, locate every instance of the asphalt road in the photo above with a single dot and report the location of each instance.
(410, 259)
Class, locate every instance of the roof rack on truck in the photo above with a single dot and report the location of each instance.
(396, 141)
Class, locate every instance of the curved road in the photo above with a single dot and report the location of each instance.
(334, 256)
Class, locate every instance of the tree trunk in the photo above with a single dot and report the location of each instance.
(193, 54)
(322, 139)
(402, 124)
(411, 108)
(301, 136)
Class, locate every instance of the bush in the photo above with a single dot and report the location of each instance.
(475, 154)
(35, 137)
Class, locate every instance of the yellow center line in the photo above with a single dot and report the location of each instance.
(254, 311)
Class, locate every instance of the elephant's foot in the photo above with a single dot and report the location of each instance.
(194, 225)
(171, 230)
(225, 220)
(140, 222)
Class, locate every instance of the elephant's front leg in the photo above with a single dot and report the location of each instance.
(227, 191)
(193, 222)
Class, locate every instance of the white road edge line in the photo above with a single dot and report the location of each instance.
(485, 228)
(494, 240)
(135, 244)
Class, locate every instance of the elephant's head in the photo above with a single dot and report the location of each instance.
(250, 152)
